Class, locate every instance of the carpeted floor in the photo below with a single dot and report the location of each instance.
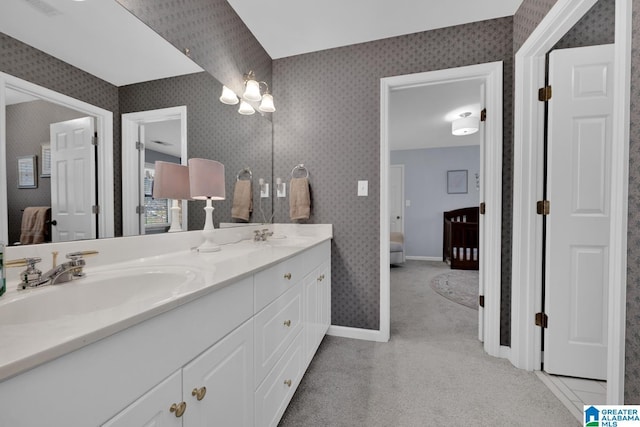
(433, 371)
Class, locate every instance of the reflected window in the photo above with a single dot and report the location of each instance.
(157, 214)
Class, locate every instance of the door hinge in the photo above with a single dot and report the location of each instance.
(483, 208)
(543, 207)
(95, 209)
(483, 115)
(94, 140)
(544, 94)
(140, 210)
(139, 146)
(481, 300)
(542, 320)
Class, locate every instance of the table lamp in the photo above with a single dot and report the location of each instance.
(171, 181)
(206, 182)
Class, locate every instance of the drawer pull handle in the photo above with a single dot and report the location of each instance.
(199, 393)
(287, 383)
(178, 408)
(287, 276)
(287, 323)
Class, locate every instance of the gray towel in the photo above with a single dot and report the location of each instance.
(299, 199)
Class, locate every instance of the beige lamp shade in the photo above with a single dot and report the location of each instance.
(206, 179)
(171, 181)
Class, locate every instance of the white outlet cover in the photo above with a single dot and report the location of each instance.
(363, 188)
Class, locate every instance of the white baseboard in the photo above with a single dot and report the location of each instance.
(505, 352)
(356, 333)
(424, 258)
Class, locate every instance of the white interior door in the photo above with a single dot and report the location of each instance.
(577, 240)
(396, 197)
(482, 263)
(73, 181)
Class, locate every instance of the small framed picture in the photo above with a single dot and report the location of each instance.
(457, 182)
(27, 172)
(45, 159)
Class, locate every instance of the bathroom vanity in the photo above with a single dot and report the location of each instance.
(227, 344)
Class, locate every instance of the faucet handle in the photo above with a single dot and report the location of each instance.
(80, 254)
(23, 262)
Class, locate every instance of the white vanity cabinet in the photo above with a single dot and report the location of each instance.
(216, 388)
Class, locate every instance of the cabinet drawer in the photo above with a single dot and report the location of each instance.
(275, 393)
(276, 280)
(275, 327)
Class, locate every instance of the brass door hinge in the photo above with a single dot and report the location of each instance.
(481, 300)
(544, 94)
(543, 207)
(483, 208)
(542, 320)
(483, 115)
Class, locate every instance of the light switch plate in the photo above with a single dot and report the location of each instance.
(363, 188)
(281, 190)
(264, 190)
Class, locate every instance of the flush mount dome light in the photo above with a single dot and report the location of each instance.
(465, 125)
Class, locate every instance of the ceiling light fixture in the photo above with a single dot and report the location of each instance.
(465, 125)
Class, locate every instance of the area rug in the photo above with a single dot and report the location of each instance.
(460, 286)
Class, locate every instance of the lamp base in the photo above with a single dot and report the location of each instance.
(209, 245)
(175, 217)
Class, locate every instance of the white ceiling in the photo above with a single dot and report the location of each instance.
(420, 117)
(163, 137)
(292, 27)
(98, 36)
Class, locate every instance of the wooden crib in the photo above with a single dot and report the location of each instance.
(461, 240)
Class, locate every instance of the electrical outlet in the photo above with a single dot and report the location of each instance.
(281, 190)
(363, 188)
(264, 190)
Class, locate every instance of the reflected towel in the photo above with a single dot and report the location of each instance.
(299, 198)
(34, 225)
(242, 200)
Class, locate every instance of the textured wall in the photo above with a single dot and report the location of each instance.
(28, 128)
(425, 184)
(27, 63)
(329, 119)
(594, 28)
(218, 39)
(214, 131)
(526, 19)
(632, 377)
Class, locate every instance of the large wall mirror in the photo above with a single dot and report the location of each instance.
(155, 77)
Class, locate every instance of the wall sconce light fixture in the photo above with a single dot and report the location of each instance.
(465, 125)
(251, 93)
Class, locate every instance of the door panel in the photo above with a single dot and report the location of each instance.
(396, 197)
(579, 169)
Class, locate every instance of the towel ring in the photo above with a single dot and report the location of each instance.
(300, 167)
(242, 172)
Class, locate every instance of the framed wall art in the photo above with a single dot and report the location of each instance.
(457, 182)
(27, 172)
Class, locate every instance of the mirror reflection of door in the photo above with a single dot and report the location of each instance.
(27, 131)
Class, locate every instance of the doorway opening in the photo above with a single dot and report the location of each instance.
(490, 188)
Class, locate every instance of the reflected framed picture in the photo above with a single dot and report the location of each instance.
(27, 172)
(457, 182)
(45, 159)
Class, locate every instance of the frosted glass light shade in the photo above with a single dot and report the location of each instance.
(465, 126)
(266, 105)
(252, 91)
(245, 108)
(171, 181)
(228, 96)
(206, 179)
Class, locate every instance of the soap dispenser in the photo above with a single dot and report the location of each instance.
(3, 284)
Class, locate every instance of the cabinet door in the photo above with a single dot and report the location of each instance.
(310, 313)
(153, 408)
(324, 299)
(222, 378)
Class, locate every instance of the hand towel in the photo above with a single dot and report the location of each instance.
(34, 225)
(299, 199)
(242, 200)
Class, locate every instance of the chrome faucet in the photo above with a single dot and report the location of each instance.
(261, 235)
(65, 272)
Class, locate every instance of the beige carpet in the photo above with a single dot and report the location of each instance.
(460, 286)
(432, 372)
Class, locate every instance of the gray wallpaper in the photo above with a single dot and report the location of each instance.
(27, 128)
(632, 377)
(596, 27)
(218, 39)
(214, 131)
(526, 19)
(27, 63)
(329, 119)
